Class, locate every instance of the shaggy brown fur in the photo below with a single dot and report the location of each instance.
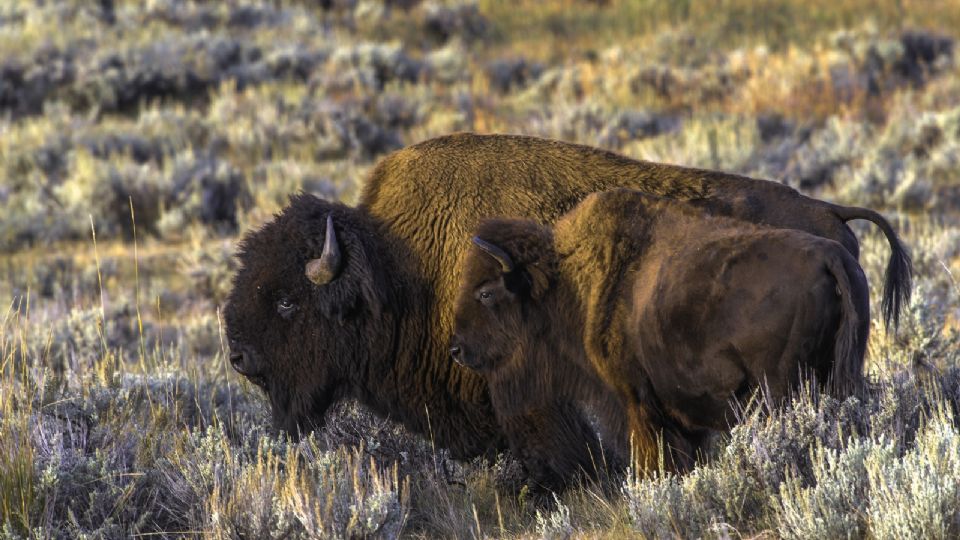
(663, 314)
(379, 331)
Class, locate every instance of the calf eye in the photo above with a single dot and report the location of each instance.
(285, 307)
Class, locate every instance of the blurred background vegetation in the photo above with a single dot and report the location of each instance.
(138, 140)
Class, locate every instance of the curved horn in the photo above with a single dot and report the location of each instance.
(322, 271)
(506, 263)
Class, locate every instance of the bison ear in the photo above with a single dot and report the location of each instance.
(538, 279)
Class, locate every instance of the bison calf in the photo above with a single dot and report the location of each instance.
(662, 314)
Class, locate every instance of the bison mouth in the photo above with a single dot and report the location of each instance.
(258, 380)
(299, 423)
(464, 358)
(242, 364)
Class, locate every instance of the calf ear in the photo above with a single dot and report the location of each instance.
(539, 280)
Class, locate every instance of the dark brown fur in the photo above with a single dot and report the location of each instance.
(379, 332)
(660, 313)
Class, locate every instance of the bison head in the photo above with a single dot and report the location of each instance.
(308, 308)
(506, 274)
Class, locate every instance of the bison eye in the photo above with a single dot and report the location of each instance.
(285, 307)
(486, 298)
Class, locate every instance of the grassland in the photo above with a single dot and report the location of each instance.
(139, 140)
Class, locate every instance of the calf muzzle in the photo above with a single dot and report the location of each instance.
(456, 353)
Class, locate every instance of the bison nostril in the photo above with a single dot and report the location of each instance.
(236, 359)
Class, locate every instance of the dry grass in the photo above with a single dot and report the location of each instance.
(567, 28)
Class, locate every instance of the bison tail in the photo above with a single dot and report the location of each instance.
(899, 273)
(850, 345)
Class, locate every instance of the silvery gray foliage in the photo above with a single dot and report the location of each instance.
(554, 524)
(373, 65)
(508, 74)
(910, 165)
(209, 189)
(631, 125)
(817, 161)
(26, 83)
(823, 468)
(460, 20)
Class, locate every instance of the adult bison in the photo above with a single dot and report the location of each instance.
(334, 302)
(664, 315)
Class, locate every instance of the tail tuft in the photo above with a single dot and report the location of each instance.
(898, 277)
(897, 285)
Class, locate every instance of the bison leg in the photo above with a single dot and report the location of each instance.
(644, 444)
(556, 445)
(653, 435)
(683, 447)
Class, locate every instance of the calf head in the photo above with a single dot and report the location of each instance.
(507, 274)
(307, 308)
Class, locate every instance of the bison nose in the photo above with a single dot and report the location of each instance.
(456, 353)
(237, 360)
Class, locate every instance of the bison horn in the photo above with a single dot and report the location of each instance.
(322, 271)
(506, 263)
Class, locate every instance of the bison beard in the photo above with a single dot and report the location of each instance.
(378, 331)
(659, 316)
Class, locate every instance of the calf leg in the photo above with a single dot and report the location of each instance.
(683, 447)
(556, 445)
(653, 434)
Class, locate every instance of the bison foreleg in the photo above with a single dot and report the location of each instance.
(646, 441)
(556, 445)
